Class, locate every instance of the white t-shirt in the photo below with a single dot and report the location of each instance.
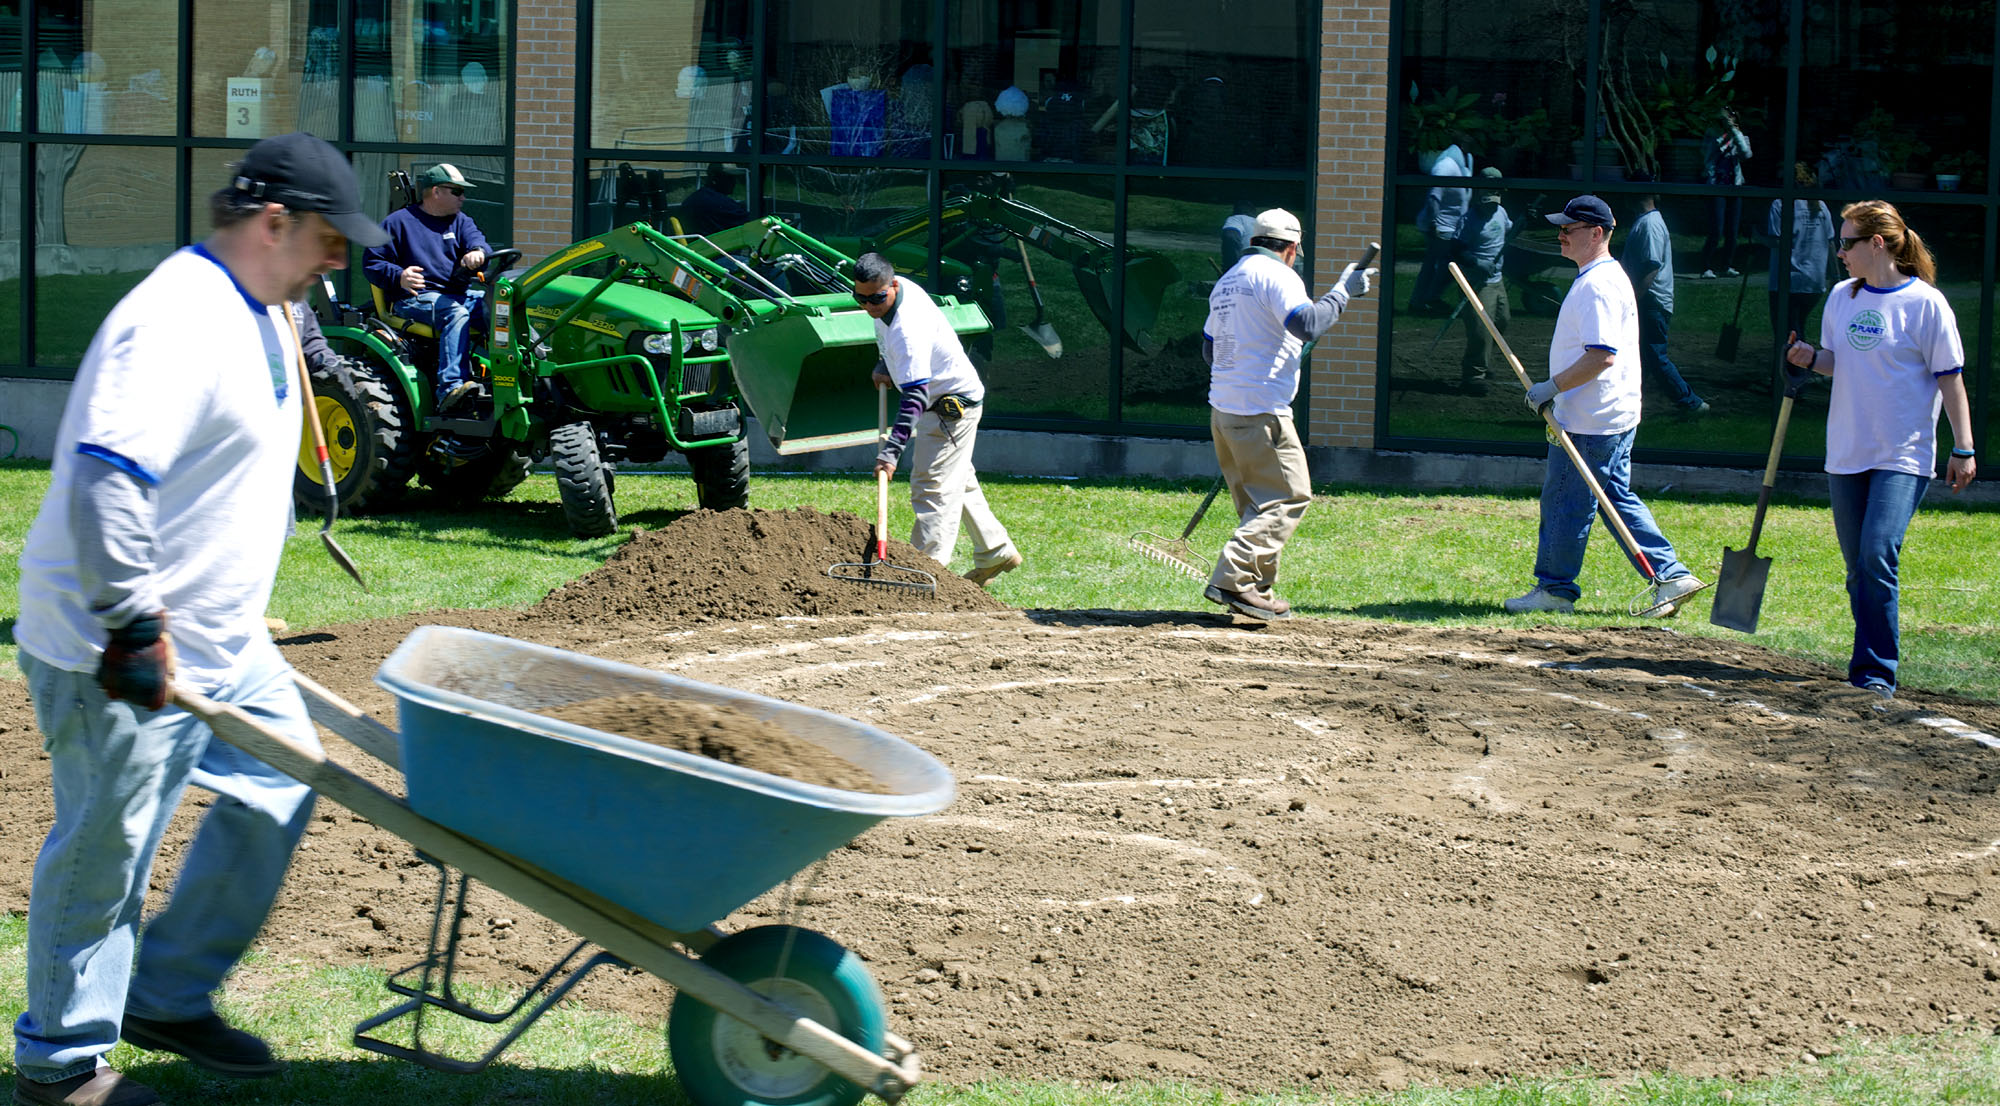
(1888, 346)
(1599, 311)
(920, 345)
(183, 381)
(1256, 369)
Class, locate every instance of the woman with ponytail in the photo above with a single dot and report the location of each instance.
(1890, 342)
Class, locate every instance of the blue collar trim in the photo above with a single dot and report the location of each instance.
(1867, 287)
(257, 307)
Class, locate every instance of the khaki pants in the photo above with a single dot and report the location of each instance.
(1265, 466)
(944, 489)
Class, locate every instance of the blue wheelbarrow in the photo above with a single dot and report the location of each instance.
(633, 847)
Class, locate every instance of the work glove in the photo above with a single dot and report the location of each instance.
(138, 663)
(1355, 281)
(1797, 376)
(1541, 395)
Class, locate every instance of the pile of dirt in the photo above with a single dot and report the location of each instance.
(718, 732)
(735, 565)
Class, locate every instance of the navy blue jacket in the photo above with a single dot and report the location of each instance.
(431, 241)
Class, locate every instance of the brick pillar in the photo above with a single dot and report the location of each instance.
(545, 53)
(1347, 191)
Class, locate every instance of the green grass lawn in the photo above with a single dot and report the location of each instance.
(1440, 558)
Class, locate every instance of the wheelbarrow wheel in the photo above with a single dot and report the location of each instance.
(723, 1062)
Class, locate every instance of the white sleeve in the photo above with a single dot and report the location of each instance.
(146, 397)
(1944, 350)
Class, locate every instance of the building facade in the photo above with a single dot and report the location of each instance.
(1113, 149)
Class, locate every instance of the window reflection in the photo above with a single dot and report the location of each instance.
(1477, 76)
(677, 197)
(104, 218)
(1049, 354)
(1233, 93)
(850, 81)
(1871, 114)
(10, 254)
(257, 75)
(103, 67)
(671, 84)
(430, 72)
(1181, 236)
(1026, 82)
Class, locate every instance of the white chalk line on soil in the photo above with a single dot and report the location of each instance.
(1212, 863)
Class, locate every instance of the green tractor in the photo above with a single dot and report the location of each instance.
(617, 349)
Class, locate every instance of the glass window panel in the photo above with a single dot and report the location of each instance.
(1180, 236)
(108, 66)
(998, 226)
(1685, 87)
(624, 192)
(208, 170)
(104, 218)
(10, 253)
(1062, 60)
(1234, 92)
(671, 77)
(850, 80)
(1479, 76)
(1875, 78)
(262, 69)
(431, 73)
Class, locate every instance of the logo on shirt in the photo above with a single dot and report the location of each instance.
(1866, 330)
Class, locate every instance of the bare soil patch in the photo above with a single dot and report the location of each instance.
(1312, 853)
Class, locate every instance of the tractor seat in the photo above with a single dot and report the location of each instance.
(396, 322)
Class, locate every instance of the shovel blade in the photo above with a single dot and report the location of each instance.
(1044, 336)
(1725, 346)
(1739, 590)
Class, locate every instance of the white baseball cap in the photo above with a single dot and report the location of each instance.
(1276, 223)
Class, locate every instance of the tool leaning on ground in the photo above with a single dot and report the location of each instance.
(875, 558)
(1648, 599)
(1176, 553)
(1043, 334)
(333, 548)
(1739, 585)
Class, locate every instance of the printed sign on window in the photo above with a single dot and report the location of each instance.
(245, 107)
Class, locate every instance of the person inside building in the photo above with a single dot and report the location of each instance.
(1478, 250)
(426, 268)
(937, 419)
(713, 206)
(1259, 319)
(148, 568)
(1648, 259)
(1594, 384)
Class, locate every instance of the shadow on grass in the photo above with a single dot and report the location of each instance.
(1416, 610)
(350, 1082)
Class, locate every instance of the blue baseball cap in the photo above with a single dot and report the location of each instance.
(1584, 209)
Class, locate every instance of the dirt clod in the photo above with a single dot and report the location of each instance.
(718, 732)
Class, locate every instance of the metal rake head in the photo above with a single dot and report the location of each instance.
(1175, 553)
(882, 574)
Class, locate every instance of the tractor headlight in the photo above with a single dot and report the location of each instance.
(661, 344)
(710, 340)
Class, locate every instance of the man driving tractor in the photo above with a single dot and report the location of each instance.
(426, 269)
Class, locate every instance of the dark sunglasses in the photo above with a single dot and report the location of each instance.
(875, 298)
(1848, 243)
(456, 191)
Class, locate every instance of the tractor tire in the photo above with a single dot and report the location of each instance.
(721, 475)
(584, 481)
(369, 441)
(464, 471)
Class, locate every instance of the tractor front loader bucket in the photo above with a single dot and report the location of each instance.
(808, 375)
(1147, 278)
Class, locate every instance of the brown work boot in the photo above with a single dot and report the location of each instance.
(984, 574)
(1279, 605)
(209, 1042)
(102, 1087)
(1249, 604)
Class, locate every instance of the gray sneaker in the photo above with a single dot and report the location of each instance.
(102, 1087)
(1539, 600)
(1668, 598)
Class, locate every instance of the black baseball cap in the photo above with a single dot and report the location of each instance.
(306, 174)
(1584, 209)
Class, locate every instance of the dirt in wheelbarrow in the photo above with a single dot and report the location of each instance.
(1316, 854)
(719, 732)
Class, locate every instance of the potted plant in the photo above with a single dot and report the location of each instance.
(1433, 123)
(1893, 149)
(1963, 170)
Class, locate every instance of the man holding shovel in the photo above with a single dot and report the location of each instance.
(150, 563)
(938, 419)
(1259, 320)
(1594, 384)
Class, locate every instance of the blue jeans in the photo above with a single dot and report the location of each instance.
(119, 771)
(454, 318)
(1653, 359)
(1568, 509)
(1871, 512)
